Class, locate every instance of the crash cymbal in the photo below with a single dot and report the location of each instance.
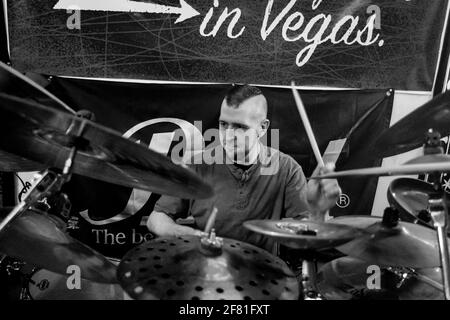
(15, 83)
(409, 132)
(430, 158)
(405, 245)
(346, 278)
(304, 234)
(177, 268)
(407, 169)
(37, 240)
(12, 163)
(45, 135)
(410, 197)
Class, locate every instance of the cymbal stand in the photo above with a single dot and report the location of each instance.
(49, 181)
(439, 212)
(309, 271)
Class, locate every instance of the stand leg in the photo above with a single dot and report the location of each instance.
(309, 272)
(439, 214)
(443, 252)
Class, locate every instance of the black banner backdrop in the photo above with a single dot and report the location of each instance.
(254, 41)
(122, 106)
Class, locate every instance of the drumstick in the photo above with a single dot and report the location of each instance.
(307, 125)
(310, 133)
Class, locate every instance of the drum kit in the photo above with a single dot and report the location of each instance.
(408, 245)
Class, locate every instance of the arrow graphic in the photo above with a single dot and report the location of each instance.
(185, 10)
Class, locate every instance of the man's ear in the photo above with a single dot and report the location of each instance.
(265, 126)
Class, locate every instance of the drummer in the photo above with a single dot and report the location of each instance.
(243, 189)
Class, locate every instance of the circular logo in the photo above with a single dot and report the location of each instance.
(343, 201)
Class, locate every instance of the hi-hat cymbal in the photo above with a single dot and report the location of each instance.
(176, 268)
(45, 135)
(37, 240)
(409, 132)
(410, 197)
(304, 234)
(407, 169)
(422, 284)
(346, 279)
(406, 245)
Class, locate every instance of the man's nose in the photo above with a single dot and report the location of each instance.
(230, 133)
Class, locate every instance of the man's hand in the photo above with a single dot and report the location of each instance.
(162, 225)
(323, 194)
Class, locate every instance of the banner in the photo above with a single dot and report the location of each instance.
(345, 44)
(112, 218)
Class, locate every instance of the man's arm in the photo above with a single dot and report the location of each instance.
(162, 225)
(310, 200)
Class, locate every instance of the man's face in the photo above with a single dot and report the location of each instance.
(240, 128)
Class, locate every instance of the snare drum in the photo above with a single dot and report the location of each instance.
(47, 285)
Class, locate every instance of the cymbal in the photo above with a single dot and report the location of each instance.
(405, 245)
(407, 169)
(37, 240)
(176, 268)
(410, 197)
(346, 279)
(409, 132)
(304, 234)
(12, 163)
(423, 284)
(15, 83)
(45, 135)
(430, 158)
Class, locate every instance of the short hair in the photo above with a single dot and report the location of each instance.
(240, 93)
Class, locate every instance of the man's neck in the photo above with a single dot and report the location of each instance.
(243, 167)
(252, 157)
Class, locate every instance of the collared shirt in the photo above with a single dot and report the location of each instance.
(274, 188)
